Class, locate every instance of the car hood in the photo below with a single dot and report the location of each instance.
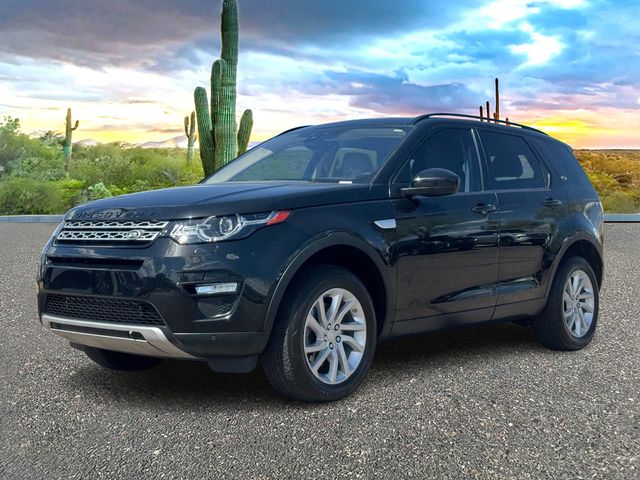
(221, 199)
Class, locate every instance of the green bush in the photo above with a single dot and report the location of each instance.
(33, 178)
(29, 196)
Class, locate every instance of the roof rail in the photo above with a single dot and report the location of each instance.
(293, 129)
(475, 117)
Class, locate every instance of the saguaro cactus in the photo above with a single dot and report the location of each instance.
(68, 142)
(190, 132)
(219, 142)
(496, 115)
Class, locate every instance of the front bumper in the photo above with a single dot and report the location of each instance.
(136, 339)
(163, 275)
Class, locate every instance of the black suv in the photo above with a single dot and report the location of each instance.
(310, 248)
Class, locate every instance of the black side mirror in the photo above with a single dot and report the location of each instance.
(433, 182)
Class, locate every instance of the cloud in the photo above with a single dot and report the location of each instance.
(309, 61)
(134, 33)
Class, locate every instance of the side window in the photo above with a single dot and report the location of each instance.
(449, 148)
(511, 163)
(561, 155)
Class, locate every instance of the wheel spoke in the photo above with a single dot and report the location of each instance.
(316, 347)
(586, 307)
(320, 359)
(568, 289)
(344, 361)
(344, 310)
(352, 327)
(352, 343)
(585, 295)
(336, 300)
(320, 308)
(571, 320)
(333, 366)
(313, 324)
(581, 322)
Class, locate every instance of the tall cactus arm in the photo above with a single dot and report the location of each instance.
(192, 128)
(207, 146)
(76, 125)
(244, 131)
(224, 124)
(186, 127)
(216, 88)
(229, 32)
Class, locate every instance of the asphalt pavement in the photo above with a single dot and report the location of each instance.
(486, 402)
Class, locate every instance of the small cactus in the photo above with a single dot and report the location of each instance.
(496, 115)
(220, 140)
(190, 132)
(68, 142)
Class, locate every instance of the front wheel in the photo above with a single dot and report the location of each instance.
(324, 337)
(569, 320)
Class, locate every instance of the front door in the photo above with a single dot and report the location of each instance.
(447, 249)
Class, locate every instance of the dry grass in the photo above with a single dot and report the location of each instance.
(616, 176)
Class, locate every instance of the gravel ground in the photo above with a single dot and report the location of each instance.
(476, 403)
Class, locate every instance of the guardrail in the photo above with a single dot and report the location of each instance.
(609, 218)
(31, 218)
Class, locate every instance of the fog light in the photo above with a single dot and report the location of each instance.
(213, 288)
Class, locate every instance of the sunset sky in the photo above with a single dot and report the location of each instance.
(128, 67)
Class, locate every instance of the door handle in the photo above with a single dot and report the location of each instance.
(484, 208)
(551, 202)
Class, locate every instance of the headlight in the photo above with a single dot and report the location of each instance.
(225, 227)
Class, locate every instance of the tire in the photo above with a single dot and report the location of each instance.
(125, 362)
(550, 328)
(289, 369)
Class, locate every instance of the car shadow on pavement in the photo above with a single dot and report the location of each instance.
(191, 385)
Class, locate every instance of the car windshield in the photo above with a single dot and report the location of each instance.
(338, 154)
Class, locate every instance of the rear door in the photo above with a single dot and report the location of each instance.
(531, 206)
(447, 249)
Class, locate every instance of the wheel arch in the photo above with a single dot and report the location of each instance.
(352, 253)
(584, 245)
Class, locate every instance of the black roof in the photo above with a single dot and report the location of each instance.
(448, 118)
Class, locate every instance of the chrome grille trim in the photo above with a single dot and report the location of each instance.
(94, 225)
(105, 231)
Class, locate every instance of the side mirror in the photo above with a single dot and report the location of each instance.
(433, 182)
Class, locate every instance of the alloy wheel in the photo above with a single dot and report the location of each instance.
(335, 336)
(578, 303)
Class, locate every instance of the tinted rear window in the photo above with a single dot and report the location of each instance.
(561, 155)
(511, 162)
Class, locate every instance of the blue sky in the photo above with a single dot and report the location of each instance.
(128, 68)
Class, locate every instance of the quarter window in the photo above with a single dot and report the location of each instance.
(511, 163)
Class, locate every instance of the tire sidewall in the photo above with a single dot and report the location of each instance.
(308, 383)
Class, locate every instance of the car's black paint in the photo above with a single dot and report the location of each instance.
(452, 260)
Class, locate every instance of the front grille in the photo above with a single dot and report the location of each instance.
(101, 309)
(105, 232)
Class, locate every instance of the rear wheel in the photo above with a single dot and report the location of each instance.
(324, 338)
(120, 361)
(570, 317)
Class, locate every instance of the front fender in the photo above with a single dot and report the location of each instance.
(319, 243)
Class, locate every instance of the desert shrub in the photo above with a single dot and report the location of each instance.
(30, 196)
(621, 202)
(98, 191)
